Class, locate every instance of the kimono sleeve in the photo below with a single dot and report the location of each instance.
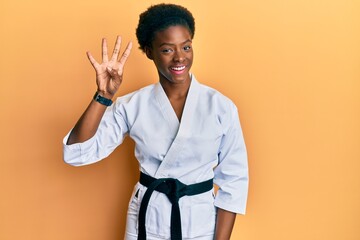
(110, 134)
(231, 173)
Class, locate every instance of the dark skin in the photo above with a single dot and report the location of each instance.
(172, 50)
(172, 53)
(109, 75)
(172, 47)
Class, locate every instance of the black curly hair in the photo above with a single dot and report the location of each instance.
(159, 17)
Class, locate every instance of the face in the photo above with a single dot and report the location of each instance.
(172, 54)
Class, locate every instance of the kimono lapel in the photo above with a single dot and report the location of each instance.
(166, 109)
(184, 128)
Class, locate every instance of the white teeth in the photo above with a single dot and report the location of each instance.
(178, 68)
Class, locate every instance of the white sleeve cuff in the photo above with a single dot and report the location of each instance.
(239, 208)
(74, 153)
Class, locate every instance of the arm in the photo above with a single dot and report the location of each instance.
(108, 79)
(231, 175)
(224, 224)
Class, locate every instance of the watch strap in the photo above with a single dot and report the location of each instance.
(102, 100)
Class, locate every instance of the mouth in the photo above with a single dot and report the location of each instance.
(178, 69)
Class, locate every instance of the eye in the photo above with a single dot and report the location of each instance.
(166, 50)
(187, 48)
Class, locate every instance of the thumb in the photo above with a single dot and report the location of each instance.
(113, 73)
(110, 70)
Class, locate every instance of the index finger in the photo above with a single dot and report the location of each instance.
(126, 54)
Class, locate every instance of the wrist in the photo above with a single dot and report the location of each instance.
(98, 97)
(105, 94)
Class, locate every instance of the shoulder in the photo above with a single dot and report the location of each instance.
(135, 96)
(131, 102)
(215, 103)
(216, 99)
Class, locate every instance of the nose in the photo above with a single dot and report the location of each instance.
(179, 56)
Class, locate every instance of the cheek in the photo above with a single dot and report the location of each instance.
(190, 56)
(161, 67)
(163, 61)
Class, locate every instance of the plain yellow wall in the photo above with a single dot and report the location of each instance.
(292, 68)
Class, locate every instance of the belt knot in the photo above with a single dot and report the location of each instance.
(175, 189)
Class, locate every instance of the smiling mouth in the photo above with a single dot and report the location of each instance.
(178, 68)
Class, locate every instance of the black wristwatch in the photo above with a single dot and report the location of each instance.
(102, 100)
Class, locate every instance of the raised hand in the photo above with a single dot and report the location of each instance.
(109, 73)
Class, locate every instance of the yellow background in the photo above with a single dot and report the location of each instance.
(292, 68)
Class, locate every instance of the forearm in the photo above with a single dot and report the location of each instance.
(88, 123)
(224, 224)
(109, 74)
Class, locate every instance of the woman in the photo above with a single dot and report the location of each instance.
(187, 136)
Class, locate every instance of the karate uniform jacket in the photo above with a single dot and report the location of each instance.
(207, 143)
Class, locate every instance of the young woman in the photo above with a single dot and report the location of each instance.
(187, 136)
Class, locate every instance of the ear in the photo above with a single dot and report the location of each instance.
(148, 52)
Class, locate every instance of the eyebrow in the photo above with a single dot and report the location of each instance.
(172, 44)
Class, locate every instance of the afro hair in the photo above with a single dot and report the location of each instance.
(159, 17)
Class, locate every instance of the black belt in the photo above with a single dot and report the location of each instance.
(174, 190)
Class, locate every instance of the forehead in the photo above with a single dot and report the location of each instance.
(172, 35)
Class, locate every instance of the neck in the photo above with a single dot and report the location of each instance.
(175, 90)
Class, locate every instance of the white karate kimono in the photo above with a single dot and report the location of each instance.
(207, 143)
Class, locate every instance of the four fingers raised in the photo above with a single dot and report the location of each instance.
(115, 55)
(109, 73)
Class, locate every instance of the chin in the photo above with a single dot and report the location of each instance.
(180, 79)
(173, 78)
